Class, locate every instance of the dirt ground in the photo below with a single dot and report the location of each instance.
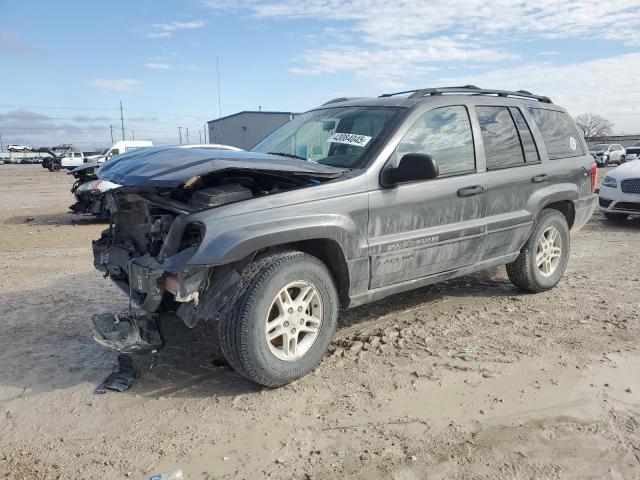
(550, 388)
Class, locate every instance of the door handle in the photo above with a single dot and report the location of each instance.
(540, 178)
(469, 191)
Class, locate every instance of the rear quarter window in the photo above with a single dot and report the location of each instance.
(558, 132)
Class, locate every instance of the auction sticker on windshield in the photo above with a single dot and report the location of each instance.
(349, 139)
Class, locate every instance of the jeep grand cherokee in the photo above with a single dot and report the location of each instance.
(348, 203)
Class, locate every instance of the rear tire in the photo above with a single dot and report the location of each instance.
(544, 257)
(266, 303)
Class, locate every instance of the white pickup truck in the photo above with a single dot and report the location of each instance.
(69, 160)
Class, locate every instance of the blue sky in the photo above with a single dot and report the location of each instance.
(66, 65)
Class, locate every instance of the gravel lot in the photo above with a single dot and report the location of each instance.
(551, 388)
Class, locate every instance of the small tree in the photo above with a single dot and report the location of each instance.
(594, 125)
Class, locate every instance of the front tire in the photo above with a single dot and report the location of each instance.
(55, 167)
(281, 320)
(544, 257)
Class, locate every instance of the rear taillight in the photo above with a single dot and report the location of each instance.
(594, 176)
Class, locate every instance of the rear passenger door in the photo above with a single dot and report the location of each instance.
(514, 172)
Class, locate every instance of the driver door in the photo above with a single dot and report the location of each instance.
(422, 228)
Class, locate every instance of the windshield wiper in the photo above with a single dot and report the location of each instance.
(290, 155)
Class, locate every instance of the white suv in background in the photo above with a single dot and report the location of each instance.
(620, 191)
(18, 148)
(607, 153)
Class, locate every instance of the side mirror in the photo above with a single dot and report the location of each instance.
(412, 167)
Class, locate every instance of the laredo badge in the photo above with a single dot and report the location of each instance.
(349, 139)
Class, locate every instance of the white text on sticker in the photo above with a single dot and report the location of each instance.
(349, 139)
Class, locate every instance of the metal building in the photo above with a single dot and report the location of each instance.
(245, 129)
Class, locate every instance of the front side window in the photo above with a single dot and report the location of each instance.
(338, 136)
(502, 146)
(445, 134)
(558, 132)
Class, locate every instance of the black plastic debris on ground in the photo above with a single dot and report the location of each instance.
(121, 379)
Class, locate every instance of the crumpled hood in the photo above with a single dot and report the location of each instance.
(171, 166)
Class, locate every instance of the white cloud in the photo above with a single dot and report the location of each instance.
(158, 66)
(163, 30)
(160, 34)
(381, 19)
(117, 84)
(389, 64)
(179, 25)
(416, 31)
(579, 87)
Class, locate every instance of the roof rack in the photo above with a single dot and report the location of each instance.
(471, 90)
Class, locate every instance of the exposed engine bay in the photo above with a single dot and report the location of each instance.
(150, 239)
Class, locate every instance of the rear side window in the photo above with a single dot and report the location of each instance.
(558, 132)
(528, 145)
(500, 137)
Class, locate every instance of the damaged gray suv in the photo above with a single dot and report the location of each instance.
(346, 204)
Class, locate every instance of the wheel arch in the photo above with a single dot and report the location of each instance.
(566, 207)
(331, 254)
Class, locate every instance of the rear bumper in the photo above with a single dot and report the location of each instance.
(584, 210)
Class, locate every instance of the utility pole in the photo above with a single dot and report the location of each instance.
(199, 136)
(187, 135)
(111, 131)
(1, 146)
(121, 120)
(205, 133)
(219, 94)
(133, 134)
(180, 133)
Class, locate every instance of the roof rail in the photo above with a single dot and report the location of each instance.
(471, 90)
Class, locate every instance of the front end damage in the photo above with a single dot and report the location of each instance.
(145, 252)
(153, 235)
(88, 191)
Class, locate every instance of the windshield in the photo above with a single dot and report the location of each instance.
(600, 146)
(104, 152)
(333, 136)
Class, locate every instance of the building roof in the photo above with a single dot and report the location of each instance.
(261, 112)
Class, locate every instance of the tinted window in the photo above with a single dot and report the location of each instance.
(500, 136)
(528, 145)
(558, 132)
(445, 134)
